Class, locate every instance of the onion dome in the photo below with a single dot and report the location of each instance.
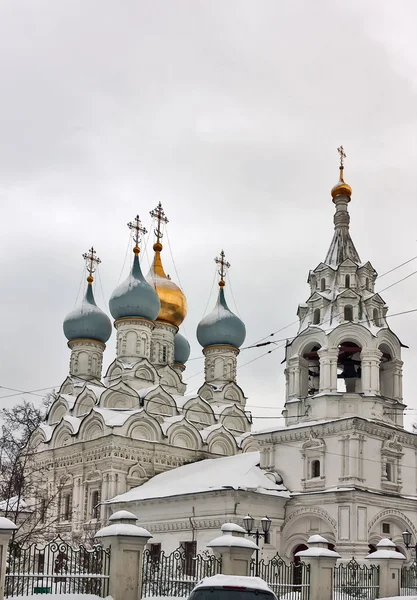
(341, 188)
(87, 321)
(134, 297)
(173, 302)
(181, 349)
(221, 327)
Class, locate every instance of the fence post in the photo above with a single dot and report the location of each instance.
(390, 562)
(126, 542)
(6, 529)
(322, 562)
(234, 549)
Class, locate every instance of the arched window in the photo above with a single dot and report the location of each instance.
(376, 318)
(367, 283)
(347, 281)
(323, 284)
(164, 354)
(316, 316)
(315, 468)
(388, 468)
(348, 313)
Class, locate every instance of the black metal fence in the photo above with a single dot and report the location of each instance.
(353, 581)
(177, 573)
(291, 581)
(409, 580)
(56, 567)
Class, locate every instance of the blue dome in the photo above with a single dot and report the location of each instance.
(135, 297)
(221, 327)
(181, 349)
(87, 321)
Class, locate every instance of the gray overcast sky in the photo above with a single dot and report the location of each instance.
(229, 112)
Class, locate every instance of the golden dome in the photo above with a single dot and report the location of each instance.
(173, 302)
(341, 188)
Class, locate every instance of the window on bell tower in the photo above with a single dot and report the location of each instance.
(164, 354)
(323, 284)
(377, 320)
(348, 313)
(316, 316)
(347, 281)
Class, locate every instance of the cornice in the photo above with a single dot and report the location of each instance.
(302, 433)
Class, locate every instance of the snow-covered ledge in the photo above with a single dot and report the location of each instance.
(6, 529)
(234, 549)
(127, 542)
(390, 563)
(322, 562)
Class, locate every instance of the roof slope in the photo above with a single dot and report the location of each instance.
(240, 472)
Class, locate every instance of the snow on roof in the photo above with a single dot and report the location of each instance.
(207, 430)
(168, 421)
(47, 430)
(75, 422)
(70, 400)
(144, 391)
(240, 472)
(13, 503)
(116, 417)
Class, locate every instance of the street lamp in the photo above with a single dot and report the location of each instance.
(266, 525)
(407, 540)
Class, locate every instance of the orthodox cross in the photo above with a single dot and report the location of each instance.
(137, 231)
(224, 265)
(342, 155)
(92, 260)
(159, 215)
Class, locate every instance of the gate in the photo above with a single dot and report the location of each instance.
(291, 581)
(352, 581)
(409, 580)
(177, 573)
(56, 568)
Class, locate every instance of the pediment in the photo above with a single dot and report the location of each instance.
(159, 403)
(206, 392)
(322, 267)
(234, 393)
(376, 298)
(348, 263)
(120, 395)
(317, 296)
(84, 403)
(368, 267)
(67, 386)
(349, 294)
(169, 377)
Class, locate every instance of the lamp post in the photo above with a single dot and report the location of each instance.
(407, 540)
(266, 525)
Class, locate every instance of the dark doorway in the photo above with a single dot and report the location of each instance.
(297, 573)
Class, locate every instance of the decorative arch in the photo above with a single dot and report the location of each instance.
(58, 410)
(199, 412)
(313, 511)
(146, 371)
(184, 435)
(92, 427)
(385, 337)
(249, 444)
(352, 332)
(120, 396)
(84, 403)
(160, 404)
(144, 428)
(38, 437)
(234, 419)
(305, 343)
(394, 515)
(220, 441)
(136, 476)
(206, 392)
(169, 377)
(62, 435)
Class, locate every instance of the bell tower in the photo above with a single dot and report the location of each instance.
(345, 360)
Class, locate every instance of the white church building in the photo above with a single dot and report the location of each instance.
(342, 465)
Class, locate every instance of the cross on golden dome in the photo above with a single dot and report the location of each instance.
(159, 215)
(224, 265)
(342, 154)
(92, 260)
(137, 231)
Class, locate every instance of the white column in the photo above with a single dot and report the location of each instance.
(328, 369)
(234, 549)
(370, 362)
(220, 364)
(86, 358)
(390, 562)
(134, 338)
(322, 562)
(125, 578)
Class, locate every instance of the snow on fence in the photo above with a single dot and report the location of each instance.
(352, 581)
(287, 581)
(177, 573)
(56, 568)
